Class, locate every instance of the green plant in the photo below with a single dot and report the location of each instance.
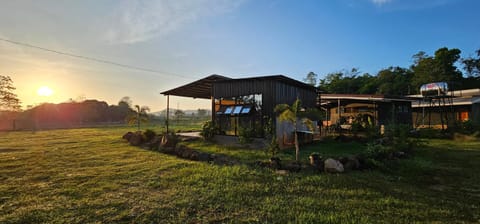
(209, 130)
(246, 134)
(149, 134)
(273, 148)
(378, 151)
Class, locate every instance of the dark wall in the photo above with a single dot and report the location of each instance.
(389, 112)
(273, 92)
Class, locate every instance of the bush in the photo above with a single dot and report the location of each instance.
(209, 130)
(273, 148)
(149, 135)
(245, 135)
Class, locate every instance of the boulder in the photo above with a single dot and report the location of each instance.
(168, 141)
(333, 166)
(179, 150)
(203, 157)
(351, 163)
(127, 135)
(293, 166)
(136, 139)
(275, 163)
(316, 162)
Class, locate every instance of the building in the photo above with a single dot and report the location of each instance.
(447, 109)
(246, 102)
(345, 109)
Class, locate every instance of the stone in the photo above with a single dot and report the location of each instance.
(293, 166)
(168, 141)
(351, 163)
(203, 157)
(194, 155)
(316, 162)
(127, 135)
(275, 163)
(179, 150)
(136, 139)
(333, 166)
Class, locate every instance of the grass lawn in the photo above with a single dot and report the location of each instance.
(92, 175)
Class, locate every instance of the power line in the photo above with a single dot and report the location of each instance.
(94, 59)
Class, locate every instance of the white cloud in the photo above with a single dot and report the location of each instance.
(380, 2)
(137, 21)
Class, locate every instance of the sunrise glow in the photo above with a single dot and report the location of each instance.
(44, 91)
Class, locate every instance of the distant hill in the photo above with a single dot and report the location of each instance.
(163, 112)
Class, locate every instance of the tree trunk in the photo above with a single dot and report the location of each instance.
(297, 148)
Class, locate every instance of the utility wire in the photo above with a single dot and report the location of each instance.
(95, 59)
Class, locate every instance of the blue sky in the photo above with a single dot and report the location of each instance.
(190, 39)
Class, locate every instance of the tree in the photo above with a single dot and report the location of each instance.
(472, 65)
(311, 79)
(290, 113)
(140, 116)
(179, 114)
(202, 112)
(439, 68)
(8, 99)
(394, 81)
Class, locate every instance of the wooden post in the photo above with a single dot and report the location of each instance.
(168, 111)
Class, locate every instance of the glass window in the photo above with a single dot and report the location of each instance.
(246, 110)
(237, 109)
(228, 110)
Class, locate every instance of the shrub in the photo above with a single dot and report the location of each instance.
(273, 148)
(149, 135)
(245, 135)
(209, 130)
(378, 151)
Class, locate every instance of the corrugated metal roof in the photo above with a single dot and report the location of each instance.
(201, 88)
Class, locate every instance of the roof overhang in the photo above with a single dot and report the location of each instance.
(201, 88)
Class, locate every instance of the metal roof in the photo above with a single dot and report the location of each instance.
(201, 88)
(365, 97)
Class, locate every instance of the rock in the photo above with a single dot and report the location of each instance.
(136, 139)
(316, 162)
(168, 141)
(333, 166)
(293, 166)
(194, 155)
(275, 163)
(179, 150)
(203, 157)
(127, 135)
(351, 163)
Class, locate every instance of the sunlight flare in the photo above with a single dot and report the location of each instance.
(44, 91)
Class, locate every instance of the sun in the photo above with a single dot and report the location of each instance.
(44, 91)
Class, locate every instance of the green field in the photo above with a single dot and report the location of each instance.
(92, 175)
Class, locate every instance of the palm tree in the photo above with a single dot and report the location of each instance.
(140, 116)
(290, 113)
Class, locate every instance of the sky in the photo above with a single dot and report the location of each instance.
(181, 41)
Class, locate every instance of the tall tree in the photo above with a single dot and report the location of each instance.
(8, 99)
(439, 68)
(394, 81)
(311, 79)
(472, 65)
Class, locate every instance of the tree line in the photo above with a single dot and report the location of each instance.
(398, 81)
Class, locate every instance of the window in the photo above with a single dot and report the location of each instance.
(228, 110)
(237, 109)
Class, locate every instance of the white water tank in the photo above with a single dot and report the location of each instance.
(434, 89)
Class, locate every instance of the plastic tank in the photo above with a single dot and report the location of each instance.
(434, 89)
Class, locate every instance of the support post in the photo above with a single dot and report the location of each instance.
(168, 111)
